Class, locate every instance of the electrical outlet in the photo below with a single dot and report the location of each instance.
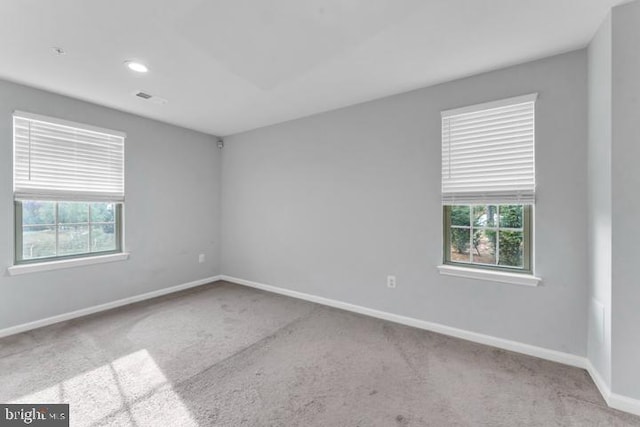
(391, 281)
(201, 258)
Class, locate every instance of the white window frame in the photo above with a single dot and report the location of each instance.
(480, 271)
(88, 258)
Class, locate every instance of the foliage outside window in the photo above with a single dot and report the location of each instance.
(47, 229)
(488, 236)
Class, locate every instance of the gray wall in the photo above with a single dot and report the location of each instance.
(331, 204)
(599, 211)
(171, 212)
(626, 203)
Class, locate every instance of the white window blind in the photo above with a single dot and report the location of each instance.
(59, 160)
(488, 153)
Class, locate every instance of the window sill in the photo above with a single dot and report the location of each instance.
(67, 263)
(490, 275)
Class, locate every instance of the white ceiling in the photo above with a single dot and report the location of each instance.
(229, 66)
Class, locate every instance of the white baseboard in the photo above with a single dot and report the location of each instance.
(614, 400)
(624, 403)
(531, 350)
(103, 307)
(600, 383)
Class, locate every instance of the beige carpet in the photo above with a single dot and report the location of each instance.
(232, 356)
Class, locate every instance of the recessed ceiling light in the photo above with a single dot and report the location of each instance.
(136, 66)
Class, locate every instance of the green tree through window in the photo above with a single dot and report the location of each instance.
(491, 236)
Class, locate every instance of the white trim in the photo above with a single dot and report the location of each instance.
(15, 270)
(103, 307)
(490, 275)
(614, 400)
(67, 196)
(532, 97)
(624, 403)
(68, 123)
(531, 350)
(600, 383)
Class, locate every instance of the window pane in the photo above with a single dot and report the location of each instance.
(511, 248)
(103, 238)
(73, 212)
(460, 215)
(485, 216)
(480, 216)
(103, 212)
(38, 242)
(82, 228)
(73, 239)
(37, 212)
(484, 247)
(460, 241)
(489, 235)
(511, 216)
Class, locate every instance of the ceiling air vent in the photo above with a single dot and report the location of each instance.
(152, 98)
(143, 95)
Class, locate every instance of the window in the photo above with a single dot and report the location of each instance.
(488, 184)
(68, 186)
(489, 235)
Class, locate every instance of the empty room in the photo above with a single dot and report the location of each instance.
(319, 213)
